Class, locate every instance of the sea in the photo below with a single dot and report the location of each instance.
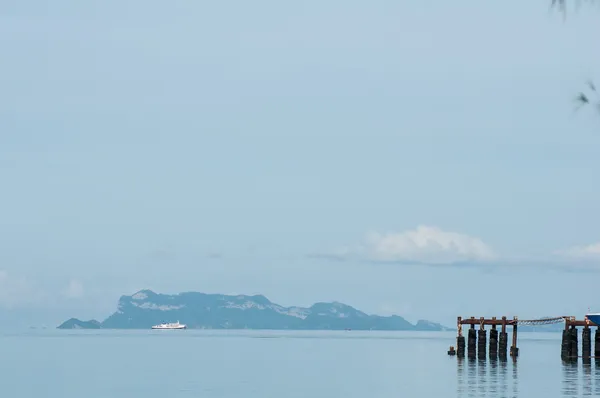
(278, 364)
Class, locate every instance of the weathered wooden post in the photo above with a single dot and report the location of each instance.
(514, 350)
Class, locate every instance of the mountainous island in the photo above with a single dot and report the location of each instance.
(146, 308)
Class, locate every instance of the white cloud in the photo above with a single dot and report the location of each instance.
(590, 252)
(425, 244)
(74, 289)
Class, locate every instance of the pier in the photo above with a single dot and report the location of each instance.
(477, 347)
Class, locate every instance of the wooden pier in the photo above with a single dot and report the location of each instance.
(498, 339)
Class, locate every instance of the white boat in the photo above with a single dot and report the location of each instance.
(175, 325)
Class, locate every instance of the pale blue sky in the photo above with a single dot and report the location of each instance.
(240, 147)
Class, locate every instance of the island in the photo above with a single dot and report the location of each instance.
(75, 323)
(197, 310)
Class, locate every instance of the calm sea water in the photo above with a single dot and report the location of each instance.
(258, 364)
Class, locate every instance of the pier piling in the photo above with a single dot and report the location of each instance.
(565, 349)
(573, 343)
(471, 342)
(493, 341)
(597, 343)
(503, 340)
(460, 340)
(586, 343)
(514, 350)
(481, 340)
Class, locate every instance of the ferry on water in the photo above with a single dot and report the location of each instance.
(175, 325)
(593, 317)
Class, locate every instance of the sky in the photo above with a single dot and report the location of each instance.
(414, 158)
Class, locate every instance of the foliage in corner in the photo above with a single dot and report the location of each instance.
(582, 98)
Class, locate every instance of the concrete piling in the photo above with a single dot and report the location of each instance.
(471, 342)
(481, 342)
(514, 350)
(503, 340)
(565, 349)
(460, 340)
(597, 343)
(569, 344)
(586, 342)
(573, 342)
(460, 346)
(493, 350)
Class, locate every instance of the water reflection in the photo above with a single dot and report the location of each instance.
(586, 385)
(487, 378)
(570, 384)
(494, 378)
(581, 379)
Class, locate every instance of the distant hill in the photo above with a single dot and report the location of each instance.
(74, 323)
(146, 308)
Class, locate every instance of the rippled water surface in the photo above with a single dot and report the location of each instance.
(255, 364)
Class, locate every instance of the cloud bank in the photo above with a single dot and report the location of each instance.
(424, 245)
(588, 252)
